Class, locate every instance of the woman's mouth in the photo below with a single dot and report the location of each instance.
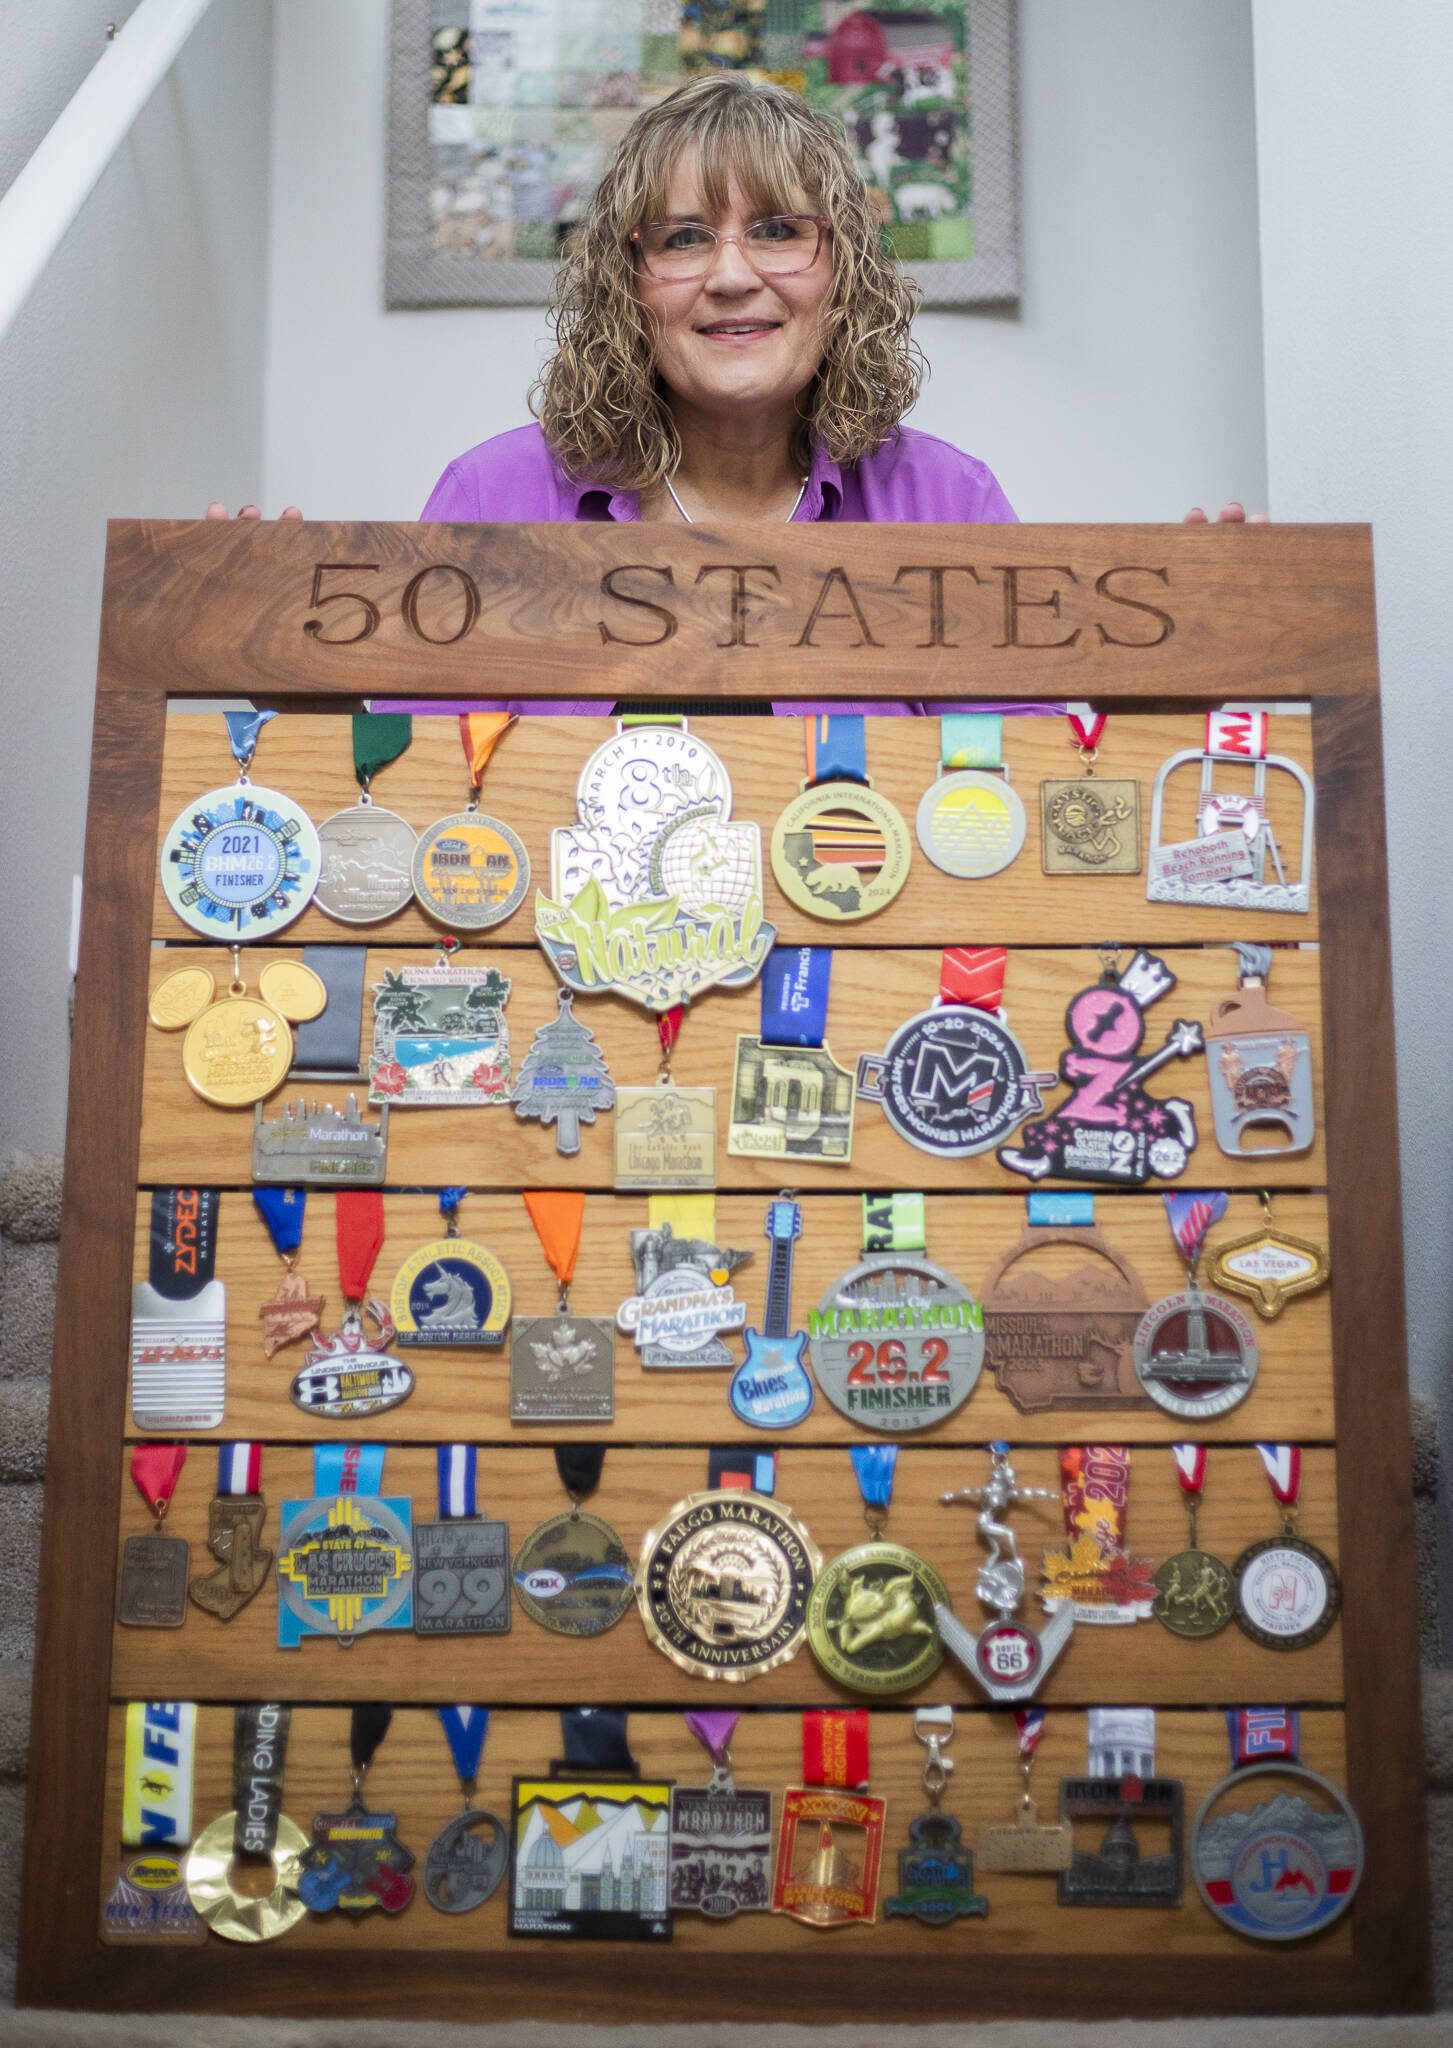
(738, 331)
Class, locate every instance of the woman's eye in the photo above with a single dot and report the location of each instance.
(687, 236)
(778, 229)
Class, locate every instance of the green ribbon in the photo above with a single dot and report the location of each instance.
(894, 1223)
(378, 738)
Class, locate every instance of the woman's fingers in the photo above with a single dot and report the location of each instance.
(217, 510)
(1234, 514)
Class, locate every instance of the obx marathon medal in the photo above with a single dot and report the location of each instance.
(971, 822)
(790, 1098)
(1194, 1589)
(451, 1292)
(870, 1620)
(461, 1562)
(345, 1376)
(721, 1837)
(830, 1845)
(1226, 863)
(1287, 1591)
(1091, 824)
(1006, 1657)
(572, 1573)
(179, 1317)
(469, 870)
(1196, 1354)
(840, 850)
(241, 862)
(345, 1557)
(470, 1855)
(153, 1589)
(367, 851)
(356, 1863)
(562, 1367)
(935, 1871)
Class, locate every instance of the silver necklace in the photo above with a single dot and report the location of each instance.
(802, 493)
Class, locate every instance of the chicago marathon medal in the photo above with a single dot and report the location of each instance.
(345, 1558)
(1195, 1353)
(830, 1845)
(1235, 860)
(1259, 1060)
(1123, 1790)
(790, 1098)
(684, 1301)
(1194, 1591)
(345, 1376)
(148, 1904)
(1063, 1339)
(721, 1837)
(1007, 1658)
(573, 1574)
(462, 1561)
(771, 1388)
(367, 851)
(1026, 1843)
(971, 822)
(935, 1871)
(1095, 1575)
(840, 850)
(440, 1039)
(179, 1317)
(451, 1292)
(1287, 1591)
(356, 1863)
(255, 1831)
(470, 1855)
(234, 1535)
(469, 870)
(1271, 1267)
(1091, 825)
(153, 1588)
(870, 1620)
(562, 1367)
(240, 863)
(564, 1080)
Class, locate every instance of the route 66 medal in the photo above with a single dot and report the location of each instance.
(462, 1561)
(451, 1291)
(684, 1301)
(153, 1589)
(572, 1574)
(1260, 1064)
(345, 1557)
(971, 822)
(234, 1534)
(723, 1584)
(721, 1837)
(839, 850)
(1226, 863)
(1271, 1267)
(1287, 1591)
(1026, 1843)
(255, 1829)
(179, 1317)
(935, 1871)
(870, 1619)
(1006, 1657)
(240, 863)
(367, 851)
(356, 1863)
(1091, 825)
(1196, 1354)
(471, 871)
(830, 1845)
(469, 1856)
(562, 1367)
(1194, 1589)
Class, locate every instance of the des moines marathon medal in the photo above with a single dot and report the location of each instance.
(1287, 1591)
(255, 1831)
(345, 1376)
(345, 1557)
(470, 871)
(684, 1302)
(840, 850)
(790, 1098)
(870, 1620)
(451, 1292)
(771, 1388)
(153, 1590)
(562, 1367)
(234, 1535)
(1259, 1060)
(440, 1040)
(1235, 861)
(179, 1317)
(461, 1562)
(367, 851)
(1026, 1843)
(1196, 1354)
(1194, 1591)
(240, 863)
(971, 822)
(572, 1574)
(721, 1838)
(356, 1863)
(467, 1859)
(935, 1871)
(830, 1846)
(1122, 1791)
(1091, 825)
(590, 1858)
(1006, 1657)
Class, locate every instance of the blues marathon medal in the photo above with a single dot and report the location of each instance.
(1196, 1354)
(572, 1573)
(721, 1837)
(970, 822)
(461, 1562)
(1121, 1790)
(345, 1557)
(935, 1871)
(367, 851)
(470, 870)
(179, 1317)
(345, 1376)
(562, 1367)
(1194, 1593)
(1006, 1658)
(1091, 825)
(440, 1039)
(242, 862)
(790, 1098)
(148, 1901)
(870, 1620)
(229, 1851)
(1259, 1060)
(1026, 1843)
(1063, 1338)
(592, 1840)
(451, 1291)
(234, 1535)
(830, 1845)
(1226, 864)
(467, 1859)
(153, 1589)
(684, 1301)
(564, 1080)
(356, 1863)
(839, 850)
(771, 1389)
(1287, 1591)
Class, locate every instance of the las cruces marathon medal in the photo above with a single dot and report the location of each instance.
(234, 1535)
(242, 862)
(451, 1292)
(790, 1098)
(367, 852)
(771, 1388)
(153, 1586)
(721, 1835)
(355, 1863)
(179, 1317)
(830, 1845)
(1007, 1658)
(462, 1561)
(345, 1557)
(1196, 1354)
(572, 1573)
(684, 1302)
(562, 1367)
(1287, 1591)
(971, 822)
(469, 1856)
(935, 1871)
(870, 1621)
(469, 870)
(347, 1376)
(1194, 1591)
(840, 850)
(1235, 860)
(1091, 824)
(1061, 1338)
(255, 1831)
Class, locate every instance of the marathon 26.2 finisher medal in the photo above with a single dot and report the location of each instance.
(241, 862)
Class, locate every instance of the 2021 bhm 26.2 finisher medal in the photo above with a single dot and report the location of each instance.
(242, 862)
(345, 1558)
(367, 850)
(256, 1830)
(356, 1863)
(721, 1836)
(462, 1561)
(971, 822)
(451, 1291)
(839, 850)
(870, 1620)
(1196, 1354)
(1287, 1591)
(470, 1855)
(572, 1573)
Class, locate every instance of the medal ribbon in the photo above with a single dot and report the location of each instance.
(894, 1223)
(1087, 724)
(368, 1725)
(668, 1030)
(835, 1747)
(378, 738)
(1061, 1211)
(1283, 1464)
(1122, 1742)
(1190, 1466)
(579, 1466)
(1030, 1723)
(239, 1468)
(243, 730)
(837, 748)
(481, 732)
(1233, 735)
(688, 1215)
(1253, 963)
(457, 1466)
(156, 1468)
(1095, 1479)
(259, 1754)
(712, 1727)
(558, 1219)
(595, 1738)
(1258, 1733)
(734, 1466)
(449, 1200)
(183, 1240)
(359, 1223)
(156, 1793)
(347, 1468)
(464, 1730)
(971, 739)
(1191, 1216)
(874, 1466)
(973, 975)
(282, 1210)
(795, 985)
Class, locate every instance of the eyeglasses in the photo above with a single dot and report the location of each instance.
(783, 245)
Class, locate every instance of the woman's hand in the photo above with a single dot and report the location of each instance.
(217, 510)
(1231, 515)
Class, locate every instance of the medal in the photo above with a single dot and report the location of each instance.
(344, 1376)
(1064, 1339)
(148, 1902)
(356, 1863)
(1108, 1128)
(935, 1871)
(440, 1039)
(238, 1051)
(292, 1312)
(451, 1292)
(721, 1838)
(1122, 1788)
(461, 1562)
(1091, 825)
(469, 870)
(665, 1137)
(1260, 1064)
(1194, 1589)
(684, 1300)
(367, 852)
(179, 1317)
(234, 1534)
(312, 1144)
(831, 1841)
(1287, 1591)
(1271, 1267)
(1097, 1578)
(255, 1830)
(970, 822)
(467, 1859)
(562, 1367)
(1196, 1353)
(1274, 1868)
(645, 776)
(1226, 863)
(240, 863)
(771, 1388)
(870, 1618)
(1006, 1658)
(1026, 1843)
(564, 1080)
(153, 1589)
(790, 1098)
(345, 1557)
(592, 1840)
(896, 1344)
(572, 1573)
(840, 850)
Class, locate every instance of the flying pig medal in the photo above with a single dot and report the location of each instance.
(1260, 1062)
(1226, 864)
(240, 863)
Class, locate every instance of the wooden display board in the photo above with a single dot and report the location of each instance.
(1154, 624)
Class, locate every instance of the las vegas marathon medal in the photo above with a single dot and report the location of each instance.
(971, 822)
(1196, 1353)
(1287, 1591)
(684, 1301)
(721, 1835)
(367, 851)
(1194, 1589)
(292, 1312)
(935, 1871)
(1096, 1575)
(590, 1856)
(148, 1904)
(471, 1853)
(1259, 1060)
(896, 1344)
(572, 1573)
(234, 1535)
(241, 862)
(223, 1866)
(469, 870)
(562, 1367)
(1122, 1790)
(440, 1039)
(355, 1863)
(1271, 1267)
(790, 1098)
(564, 1080)
(238, 1051)
(345, 1558)
(830, 1844)
(840, 851)
(1283, 1856)
(1007, 1658)
(1234, 861)
(771, 1388)
(451, 1292)
(1063, 1337)
(1091, 823)
(179, 1317)
(954, 1079)
(462, 1561)
(153, 1587)
(870, 1621)
(349, 1375)
(1026, 1843)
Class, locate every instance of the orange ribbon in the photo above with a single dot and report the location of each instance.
(557, 1219)
(481, 732)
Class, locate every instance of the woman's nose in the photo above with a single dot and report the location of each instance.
(730, 270)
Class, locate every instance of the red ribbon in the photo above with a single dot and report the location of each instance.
(835, 1747)
(1086, 724)
(668, 1027)
(1283, 1464)
(359, 1217)
(973, 975)
(1190, 1466)
(156, 1468)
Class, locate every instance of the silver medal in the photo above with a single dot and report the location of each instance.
(313, 1145)
(178, 1357)
(1195, 1353)
(971, 822)
(648, 774)
(466, 1861)
(897, 1343)
(367, 855)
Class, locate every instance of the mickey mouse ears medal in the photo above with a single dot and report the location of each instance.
(240, 862)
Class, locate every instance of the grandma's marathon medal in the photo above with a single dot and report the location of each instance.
(1196, 1353)
(1287, 1591)
(562, 1367)
(721, 1837)
(241, 862)
(471, 871)
(1091, 824)
(1271, 1267)
(1194, 1591)
(237, 1052)
(1259, 1060)
(830, 1844)
(684, 1301)
(840, 850)
(665, 1136)
(440, 1039)
(896, 1344)
(148, 1901)
(935, 1871)
(469, 1856)
(224, 1867)
(564, 1080)
(153, 1589)
(347, 1376)
(345, 1557)
(590, 1856)
(355, 1863)
(1283, 1856)
(1122, 1791)
(790, 1098)
(234, 1535)
(451, 1292)
(971, 822)
(179, 1317)
(1097, 1576)
(771, 1388)
(292, 1312)
(572, 1574)
(1226, 864)
(1058, 1336)
(954, 1079)
(1006, 1657)
(1026, 1843)
(462, 1561)
(1108, 1128)
(870, 1619)
(367, 851)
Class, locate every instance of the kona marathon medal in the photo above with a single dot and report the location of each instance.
(830, 1846)
(1097, 1576)
(461, 1562)
(256, 1830)
(839, 850)
(721, 1838)
(153, 1589)
(1026, 1843)
(935, 1871)
(1260, 1064)
(345, 1557)
(1063, 1339)
(771, 1388)
(1123, 1790)
(470, 871)
(179, 1317)
(356, 1863)
(562, 1367)
(240, 863)
(572, 1574)
(790, 1098)
(870, 1620)
(1225, 864)
(1196, 1354)
(1287, 1591)
(1271, 1267)
(1006, 1657)
(234, 1535)
(971, 822)
(367, 852)
(1091, 825)
(451, 1292)
(684, 1302)
(1193, 1589)
(440, 1039)
(467, 1859)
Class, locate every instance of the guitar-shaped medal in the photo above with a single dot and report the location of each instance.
(772, 1389)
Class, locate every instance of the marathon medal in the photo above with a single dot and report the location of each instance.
(153, 1590)
(440, 1039)
(179, 1317)
(870, 1620)
(1287, 1591)
(971, 822)
(840, 850)
(935, 1871)
(470, 1855)
(345, 1557)
(1064, 1339)
(790, 1098)
(345, 1376)
(830, 1845)
(1006, 1657)
(1259, 1060)
(148, 1903)
(1271, 1267)
(291, 1313)
(771, 1388)
(591, 1850)
(564, 1080)
(1196, 1353)
(234, 1534)
(684, 1301)
(469, 870)
(1123, 1790)
(1026, 1843)
(1194, 1591)
(1091, 825)
(1226, 863)
(255, 1830)
(451, 1292)
(572, 1574)
(562, 1367)
(356, 1863)
(367, 852)
(721, 1838)
(1097, 1576)
(240, 863)
(461, 1562)
(239, 1051)
(314, 1144)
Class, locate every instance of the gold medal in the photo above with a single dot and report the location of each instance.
(237, 1052)
(229, 1910)
(723, 1584)
(840, 851)
(870, 1618)
(181, 998)
(294, 989)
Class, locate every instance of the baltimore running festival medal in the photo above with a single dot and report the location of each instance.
(1057, 1336)
(1194, 1590)
(367, 851)
(721, 1837)
(1271, 1267)
(684, 1302)
(451, 1292)
(345, 1558)
(870, 1620)
(471, 1853)
(1123, 1791)
(1287, 1591)
(1006, 1657)
(591, 1848)
(830, 1845)
(572, 1573)
(348, 1375)
(1026, 1843)
(356, 1863)
(971, 822)
(462, 1561)
(1196, 1354)
(935, 1871)
(179, 1317)
(771, 1388)
(440, 1039)
(790, 1098)
(222, 1868)
(840, 850)
(153, 1587)
(1090, 825)
(562, 1367)
(234, 1535)
(1259, 1060)
(1235, 861)
(240, 863)
(469, 870)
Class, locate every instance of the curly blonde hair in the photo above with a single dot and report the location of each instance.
(600, 401)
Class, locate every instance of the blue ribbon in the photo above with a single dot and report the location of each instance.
(841, 749)
(449, 1200)
(971, 739)
(367, 1460)
(243, 728)
(457, 1465)
(281, 1209)
(465, 1729)
(875, 1465)
(795, 983)
(1067, 1211)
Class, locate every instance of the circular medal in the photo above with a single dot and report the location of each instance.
(840, 851)
(237, 1051)
(1195, 1353)
(367, 858)
(1287, 1593)
(896, 1344)
(1008, 1654)
(723, 1584)
(954, 1081)
(470, 871)
(293, 989)
(572, 1575)
(647, 775)
(240, 863)
(243, 1915)
(453, 1292)
(1195, 1594)
(870, 1619)
(1283, 1868)
(466, 1861)
(181, 998)
(971, 823)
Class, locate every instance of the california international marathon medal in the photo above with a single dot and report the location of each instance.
(896, 1344)
(572, 1574)
(179, 1317)
(461, 1562)
(347, 1376)
(242, 862)
(1006, 1657)
(367, 852)
(684, 1302)
(870, 1619)
(255, 1833)
(1196, 1353)
(1027, 1843)
(153, 1589)
(1091, 824)
(591, 1848)
(440, 1037)
(1096, 1575)
(935, 1871)
(790, 1098)
(840, 850)
(1057, 1337)
(971, 822)
(292, 1312)
(1271, 1267)
(1194, 1589)
(469, 1856)
(1287, 1591)
(1259, 1062)
(1288, 1864)
(356, 1863)
(564, 1080)
(345, 1558)
(830, 1844)
(1234, 862)
(148, 1901)
(471, 871)
(771, 1388)
(234, 1535)
(1122, 1790)
(665, 1136)
(562, 1367)
(451, 1292)
(313, 1141)
(237, 1052)
(721, 1837)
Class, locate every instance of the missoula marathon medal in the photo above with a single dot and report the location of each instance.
(355, 1863)
(1063, 1339)
(179, 1317)
(470, 870)
(148, 1902)
(562, 1367)
(830, 1844)
(954, 1080)
(345, 1377)
(684, 1301)
(345, 1557)
(1108, 1128)
(840, 850)
(665, 1137)
(153, 1590)
(1196, 1354)
(1287, 1591)
(440, 1040)
(1226, 863)
(1121, 1790)
(461, 1562)
(572, 1574)
(1026, 1843)
(468, 1857)
(451, 1292)
(234, 1534)
(256, 1832)
(292, 1312)
(1259, 1060)
(590, 1855)
(771, 1388)
(1285, 1865)
(367, 852)
(1096, 1576)
(564, 1080)
(1271, 1267)
(1006, 1658)
(790, 1098)
(870, 1619)
(1194, 1590)
(935, 1871)
(1091, 825)
(970, 822)
(240, 863)
(896, 1344)
(721, 1838)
